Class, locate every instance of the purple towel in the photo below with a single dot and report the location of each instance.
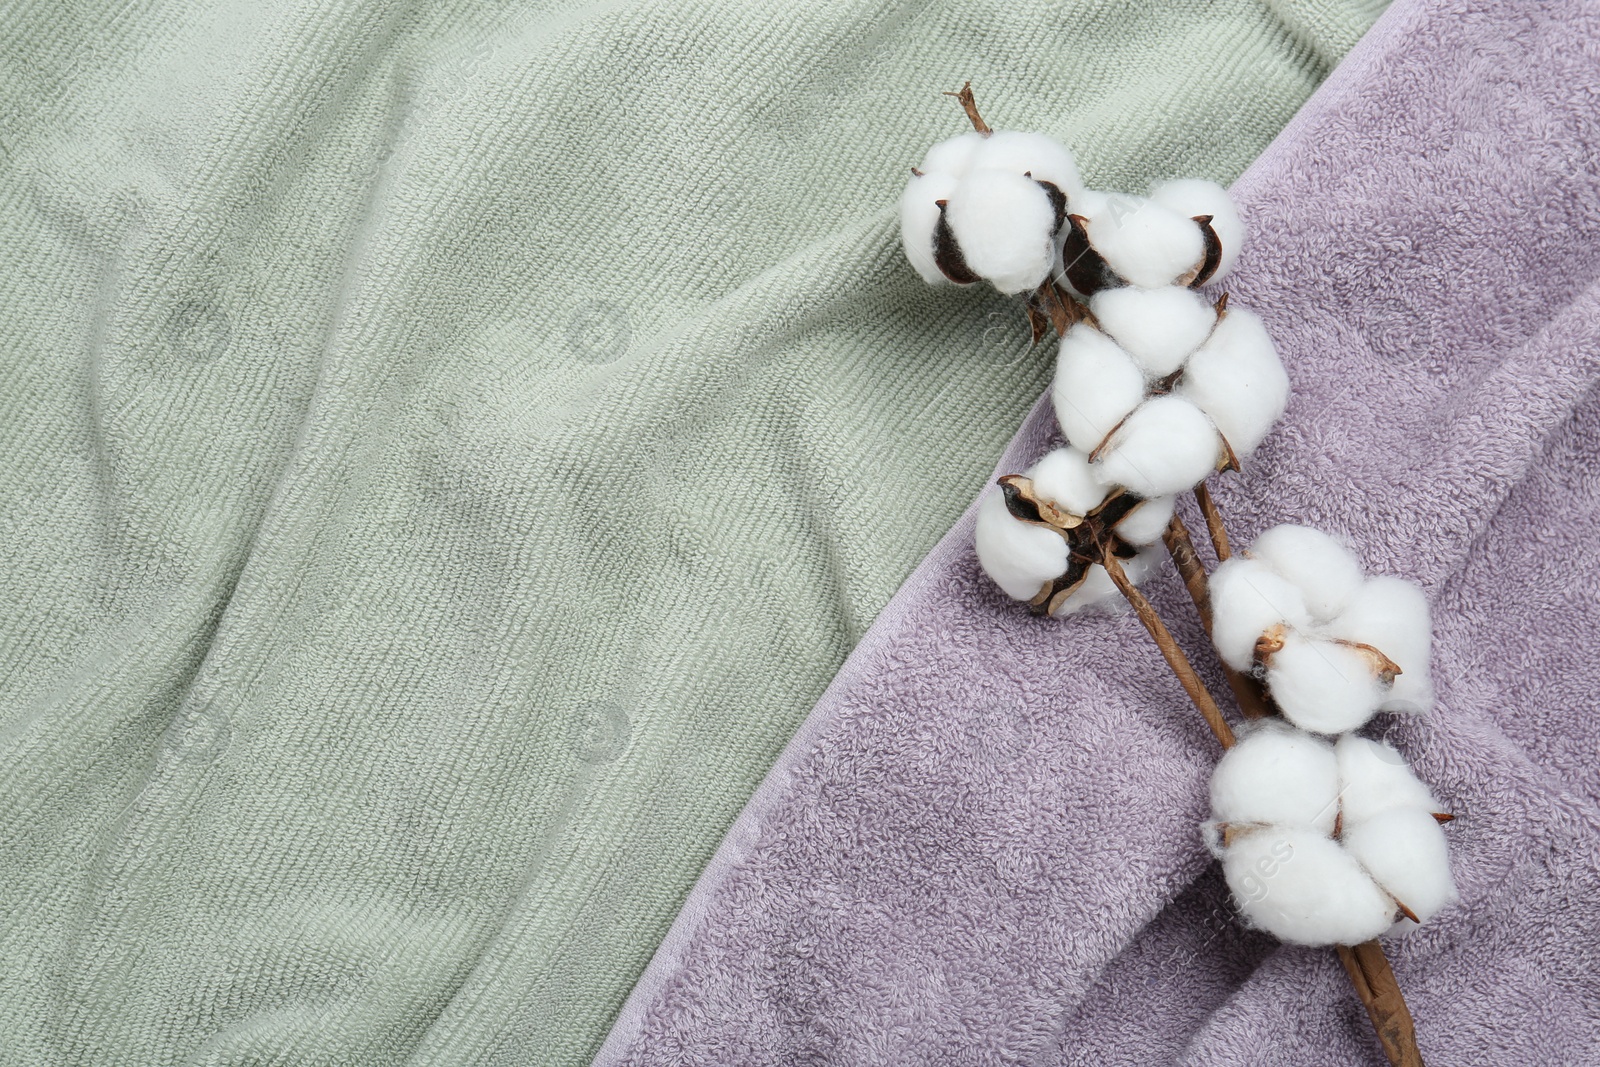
(981, 848)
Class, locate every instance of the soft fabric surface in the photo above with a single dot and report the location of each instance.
(450, 446)
(982, 845)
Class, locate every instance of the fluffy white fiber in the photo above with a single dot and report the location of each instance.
(1277, 774)
(1064, 477)
(1190, 197)
(1302, 887)
(1276, 799)
(1249, 599)
(1323, 686)
(1018, 556)
(1325, 572)
(1391, 615)
(1166, 446)
(1005, 225)
(1374, 778)
(1096, 386)
(1319, 681)
(1147, 522)
(919, 217)
(954, 156)
(1237, 379)
(1405, 852)
(1147, 243)
(1159, 328)
(1020, 152)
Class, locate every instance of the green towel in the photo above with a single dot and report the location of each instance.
(448, 449)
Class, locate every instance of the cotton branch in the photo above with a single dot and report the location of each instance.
(1208, 508)
(1380, 994)
(1366, 964)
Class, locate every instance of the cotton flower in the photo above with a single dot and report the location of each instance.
(1237, 379)
(1250, 600)
(1159, 328)
(953, 157)
(1374, 778)
(1392, 615)
(1324, 571)
(1167, 445)
(1037, 538)
(1302, 888)
(1019, 557)
(1005, 226)
(1331, 645)
(1097, 385)
(1405, 852)
(919, 221)
(1099, 591)
(1065, 477)
(1277, 774)
(1323, 685)
(1032, 154)
(1325, 844)
(1195, 198)
(1145, 243)
(988, 206)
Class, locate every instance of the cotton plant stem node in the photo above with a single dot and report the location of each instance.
(1325, 837)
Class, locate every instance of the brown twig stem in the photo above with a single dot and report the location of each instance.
(1169, 650)
(1208, 508)
(1375, 984)
(1180, 546)
(970, 106)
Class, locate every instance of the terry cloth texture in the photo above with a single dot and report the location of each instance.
(982, 846)
(448, 450)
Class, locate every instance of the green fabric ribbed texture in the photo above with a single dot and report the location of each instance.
(449, 447)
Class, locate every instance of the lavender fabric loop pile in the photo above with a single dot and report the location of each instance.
(981, 848)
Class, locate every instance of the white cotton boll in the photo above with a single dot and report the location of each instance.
(919, 217)
(1391, 615)
(1323, 686)
(1325, 571)
(1166, 446)
(1005, 226)
(1301, 887)
(1020, 152)
(1147, 522)
(1065, 478)
(1405, 852)
(1277, 774)
(1248, 598)
(953, 156)
(1146, 243)
(1159, 328)
(1018, 556)
(1190, 197)
(1237, 379)
(1374, 778)
(1096, 385)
